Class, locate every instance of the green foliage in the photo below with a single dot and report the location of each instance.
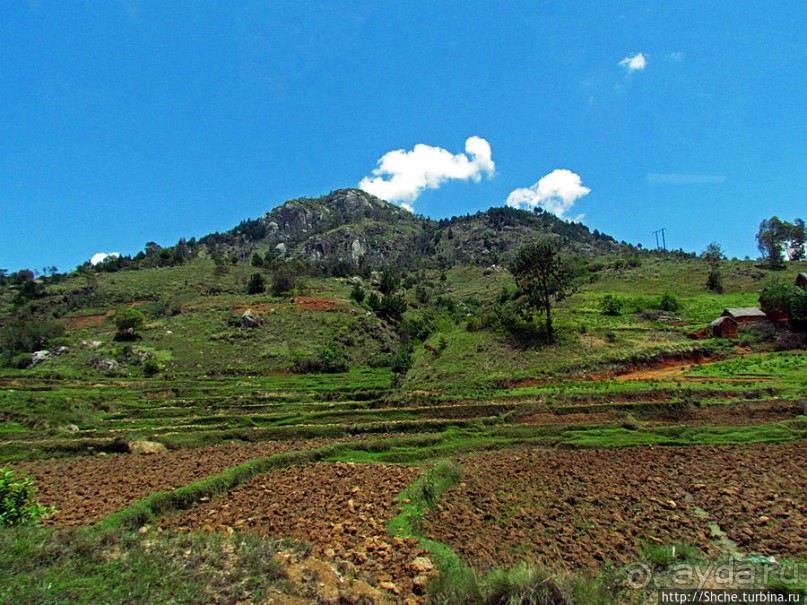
(17, 503)
(545, 276)
(374, 301)
(669, 302)
(664, 555)
(256, 284)
(713, 255)
(611, 305)
(770, 241)
(85, 566)
(257, 260)
(788, 299)
(392, 307)
(390, 281)
(524, 583)
(714, 281)
(401, 361)
(283, 281)
(357, 293)
(20, 337)
(151, 367)
(129, 321)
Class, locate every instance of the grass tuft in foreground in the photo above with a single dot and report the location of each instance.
(86, 565)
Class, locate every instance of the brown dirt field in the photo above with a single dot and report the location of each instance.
(584, 508)
(87, 489)
(314, 303)
(86, 321)
(341, 509)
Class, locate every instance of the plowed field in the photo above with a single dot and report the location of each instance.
(589, 507)
(341, 509)
(87, 489)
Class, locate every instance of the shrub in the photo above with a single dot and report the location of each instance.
(714, 281)
(17, 504)
(256, 284)
(611, 305)
(401, 361)
(151, 367)
(128, 321)
(333, 360)
(283, 282)
(357, 293)
(669, 302)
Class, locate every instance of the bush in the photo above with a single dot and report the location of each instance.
(669, 302)
(333, 360)
(151, 367)
(329, 360)
(256, 285)
(17, 504)
(611, 305)
(283, 282)
(20, 361)
(129, 321)
(357, 293)
(714, 281)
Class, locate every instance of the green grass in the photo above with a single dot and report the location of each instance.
(46, 566)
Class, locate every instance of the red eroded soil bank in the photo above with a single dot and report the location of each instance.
(588, 507)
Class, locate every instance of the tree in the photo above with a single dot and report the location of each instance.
(796, 236)
(129, 321)
(770, 240)
(713, 255)
(283, 281)
(257, 260)
(256, 284)
(544, 277)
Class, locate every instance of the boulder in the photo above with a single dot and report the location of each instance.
(39, 357)
(146, 447)
(103, 365)
(250, 319)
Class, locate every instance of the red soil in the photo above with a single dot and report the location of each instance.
(589, 507)
(341, 509)
(87, 489)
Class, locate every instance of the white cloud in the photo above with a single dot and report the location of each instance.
(100, 257)
(409, 173)
(635, 63)
(556, 193)
(677, 57)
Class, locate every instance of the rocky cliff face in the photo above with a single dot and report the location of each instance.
(352, 226)
(346, 225)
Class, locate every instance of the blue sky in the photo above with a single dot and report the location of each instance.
(126, 122)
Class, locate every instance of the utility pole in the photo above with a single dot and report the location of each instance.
(663, 238)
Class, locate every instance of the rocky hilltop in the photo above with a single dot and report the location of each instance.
(352, 227)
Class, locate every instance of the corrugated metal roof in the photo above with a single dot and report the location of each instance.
(745, 312)
(721, 320)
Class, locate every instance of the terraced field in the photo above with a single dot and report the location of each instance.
(328, 461)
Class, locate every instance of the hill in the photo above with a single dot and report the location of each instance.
(300, 376)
